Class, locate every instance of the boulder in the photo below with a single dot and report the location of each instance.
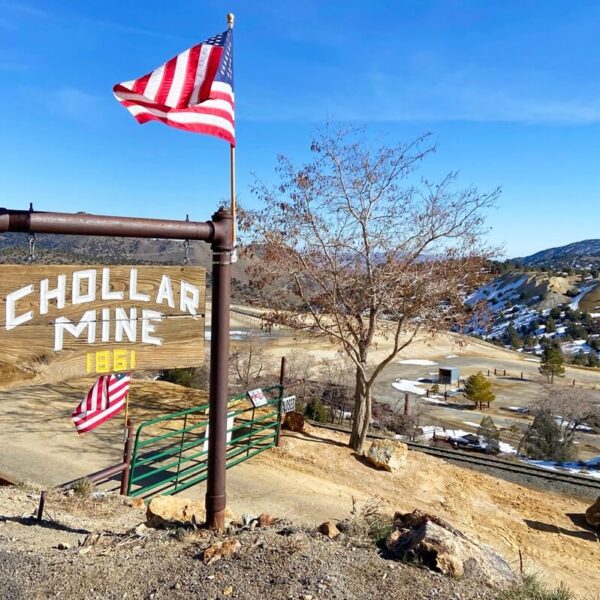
(388, 454)
(436, 544)
(592, 514)
(166, 511)
(294, 421)
(329, 529)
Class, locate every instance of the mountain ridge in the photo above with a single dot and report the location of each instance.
(568, 255)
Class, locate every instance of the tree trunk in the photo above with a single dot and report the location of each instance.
(362, 412)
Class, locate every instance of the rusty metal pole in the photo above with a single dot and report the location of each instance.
(222, 247)
(282, 371)
(40, 512)
(127, 457)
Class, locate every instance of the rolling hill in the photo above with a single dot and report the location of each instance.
(582, 254)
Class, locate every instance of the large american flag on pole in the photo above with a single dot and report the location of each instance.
(105, 399)
(192, 91)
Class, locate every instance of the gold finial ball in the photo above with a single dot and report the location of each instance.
(230, 19)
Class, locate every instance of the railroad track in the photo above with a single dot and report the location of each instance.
(580, 481)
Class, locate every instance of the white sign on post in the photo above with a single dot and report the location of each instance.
(288, 404)
(257, 397)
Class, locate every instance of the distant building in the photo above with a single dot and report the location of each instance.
(448, 375)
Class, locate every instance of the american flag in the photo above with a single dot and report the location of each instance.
(103, 401)
(192, 91)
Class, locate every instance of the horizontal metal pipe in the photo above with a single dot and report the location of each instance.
(25, 221)
(98, 475)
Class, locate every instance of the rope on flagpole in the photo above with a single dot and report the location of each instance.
(230, 21)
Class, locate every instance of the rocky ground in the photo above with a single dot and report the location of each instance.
(96, 548)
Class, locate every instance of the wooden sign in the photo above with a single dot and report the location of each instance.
(62, 322)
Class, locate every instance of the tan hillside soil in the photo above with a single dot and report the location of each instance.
(101, 551)
(316, 477)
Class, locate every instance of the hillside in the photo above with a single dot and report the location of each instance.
(584, 254)
(312, 478)
(524, 309)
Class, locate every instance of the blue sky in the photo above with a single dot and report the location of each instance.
(510, 90)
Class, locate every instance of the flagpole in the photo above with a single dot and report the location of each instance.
(230, 20)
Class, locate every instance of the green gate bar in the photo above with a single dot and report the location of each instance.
(167, 463)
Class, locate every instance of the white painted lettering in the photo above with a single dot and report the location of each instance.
(189, 298)
(133, 293)
(58, 293)
(106, 293)
(148, 327)
(127, 324)
(88, 275)
(63, 324)
(106, 324)
(165, 292)
(12, 320)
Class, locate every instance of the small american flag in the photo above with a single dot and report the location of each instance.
(192, 91)
(105, 400)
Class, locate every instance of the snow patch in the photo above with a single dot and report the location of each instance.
(417, 361)
(408, 385)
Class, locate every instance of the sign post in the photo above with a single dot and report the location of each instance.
(219, 233)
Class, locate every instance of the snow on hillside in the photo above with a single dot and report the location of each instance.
(495, 290)
(583, 290)
(520, 307)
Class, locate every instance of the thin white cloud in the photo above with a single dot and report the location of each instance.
(427, 89)
(34, 12)
(74, 104)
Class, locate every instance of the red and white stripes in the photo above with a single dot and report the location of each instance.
(105, 399)
(191, 91)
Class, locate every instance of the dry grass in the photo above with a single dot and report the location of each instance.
(92, 505)
(532, 588)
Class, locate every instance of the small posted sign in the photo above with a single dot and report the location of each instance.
(288, 404)
(257, 397)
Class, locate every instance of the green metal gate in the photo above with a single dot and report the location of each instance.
(170, 452)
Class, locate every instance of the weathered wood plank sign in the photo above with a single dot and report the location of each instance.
(61, 322)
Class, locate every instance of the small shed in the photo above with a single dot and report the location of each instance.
(448, 375)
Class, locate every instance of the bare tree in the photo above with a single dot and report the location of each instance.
(301, 371)
(249, 363)
(352, 247)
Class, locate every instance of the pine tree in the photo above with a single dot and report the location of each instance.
(512, 337)
(592, 359)
(479, 390)
(545, 440)
(550, 325)
(489, 434)
(552, 362)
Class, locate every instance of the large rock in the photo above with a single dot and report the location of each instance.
(165, 511)
(294, 421)
(388, 454)
(436, 544)
(592, 514)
